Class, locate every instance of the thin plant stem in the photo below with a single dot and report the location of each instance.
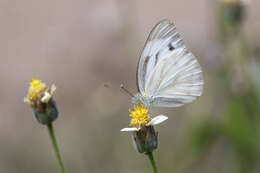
(55, 147)
(150, 155)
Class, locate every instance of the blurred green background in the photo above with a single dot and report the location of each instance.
(83, 45)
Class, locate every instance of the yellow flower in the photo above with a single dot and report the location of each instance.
(140, 116)
(39, 93)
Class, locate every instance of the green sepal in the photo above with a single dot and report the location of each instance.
(145, 140)
(46, 113)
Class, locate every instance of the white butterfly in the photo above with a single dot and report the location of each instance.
(168, 75)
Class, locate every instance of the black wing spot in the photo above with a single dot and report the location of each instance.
(171, 48)
(156, 58)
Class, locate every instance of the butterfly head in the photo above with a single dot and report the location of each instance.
(140, 99)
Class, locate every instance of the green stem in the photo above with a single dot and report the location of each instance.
(150, 155)
(55, 147)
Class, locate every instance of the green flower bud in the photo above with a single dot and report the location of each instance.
(45, 113)
(145, 140)
(234, 11)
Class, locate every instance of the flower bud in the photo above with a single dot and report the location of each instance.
(45, 113)
(145, 140)
(233, 10)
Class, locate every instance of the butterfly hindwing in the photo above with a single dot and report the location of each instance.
(180, 80)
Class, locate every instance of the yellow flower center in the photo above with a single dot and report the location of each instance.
(140, 116)
(39, 93)
(36, 92)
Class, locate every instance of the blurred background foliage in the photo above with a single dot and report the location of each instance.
(238, 125)
(87, 48)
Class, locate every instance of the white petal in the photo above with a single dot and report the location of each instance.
(157, 120)
(26, 100)
(53, 88)
(46, 97)
(130, 129)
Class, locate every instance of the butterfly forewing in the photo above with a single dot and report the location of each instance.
(167, 72)
(163, 39)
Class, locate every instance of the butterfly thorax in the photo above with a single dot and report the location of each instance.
(140, 99)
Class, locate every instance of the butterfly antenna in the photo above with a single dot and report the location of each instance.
(128, 92)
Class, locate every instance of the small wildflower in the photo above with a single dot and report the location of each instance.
(40, 97)
(145, 138)
(39, 92)
(141, 118)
